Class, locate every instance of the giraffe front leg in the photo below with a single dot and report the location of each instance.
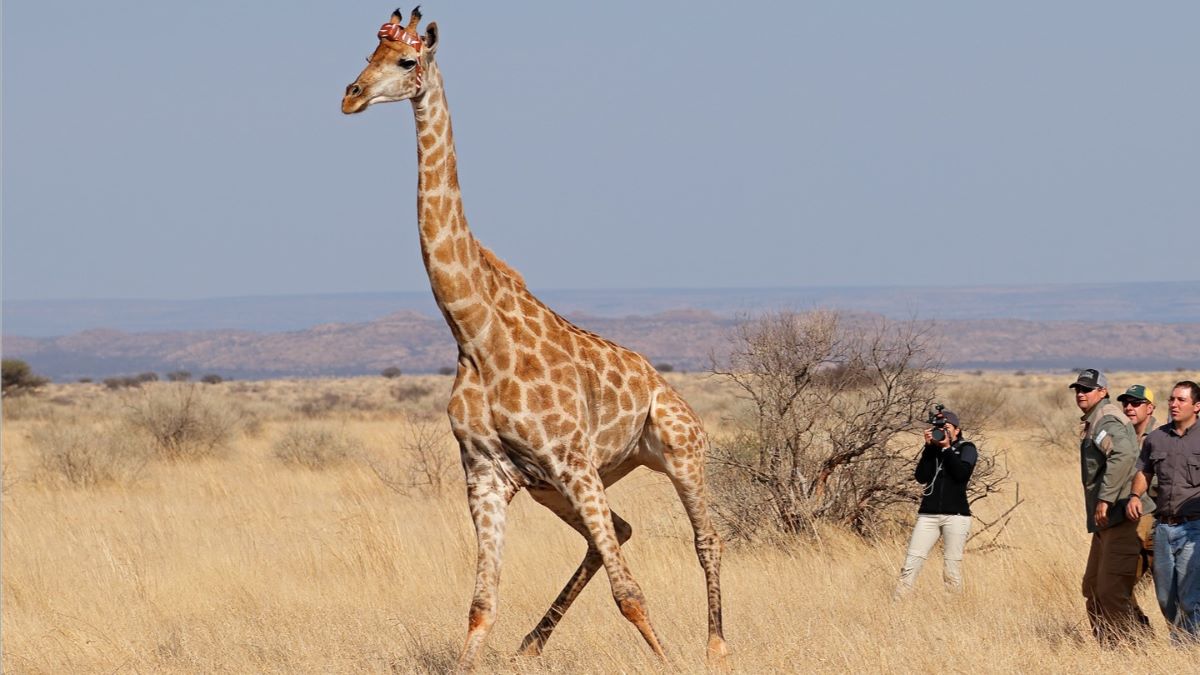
(488, 497)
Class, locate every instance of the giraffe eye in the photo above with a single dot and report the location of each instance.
(407, 64)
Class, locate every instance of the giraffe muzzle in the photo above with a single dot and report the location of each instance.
(354, 101)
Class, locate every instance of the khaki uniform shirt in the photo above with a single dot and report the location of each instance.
(1108, 451)
(1151, 425)
(1174, 459)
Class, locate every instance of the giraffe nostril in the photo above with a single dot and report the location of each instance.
(353, 90)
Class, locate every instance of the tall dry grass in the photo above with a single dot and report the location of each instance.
(241, 563)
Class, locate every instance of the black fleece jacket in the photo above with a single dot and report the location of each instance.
(945, 473)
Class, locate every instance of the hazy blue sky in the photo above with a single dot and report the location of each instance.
(185, 150)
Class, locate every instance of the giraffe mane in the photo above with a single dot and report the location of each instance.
(502, 267)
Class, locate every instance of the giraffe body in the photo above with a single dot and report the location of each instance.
(537, 403)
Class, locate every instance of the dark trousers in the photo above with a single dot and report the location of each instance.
(1108, 582)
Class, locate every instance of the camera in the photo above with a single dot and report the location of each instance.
(938, 433)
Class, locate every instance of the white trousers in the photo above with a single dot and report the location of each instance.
(953, 532)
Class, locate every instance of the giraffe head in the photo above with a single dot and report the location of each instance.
(395, 72)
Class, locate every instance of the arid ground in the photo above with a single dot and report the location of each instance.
(299, 526)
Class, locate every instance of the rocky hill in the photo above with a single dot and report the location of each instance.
(417, 342)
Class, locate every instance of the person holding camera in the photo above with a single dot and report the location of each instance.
(1107, 453)
(945, 467)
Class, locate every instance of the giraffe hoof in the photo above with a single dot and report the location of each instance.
(718, 653)
(531, 648)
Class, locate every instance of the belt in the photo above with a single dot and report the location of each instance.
(1176, 520)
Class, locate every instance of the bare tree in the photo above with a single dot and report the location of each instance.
(426, 461)
(831, 402)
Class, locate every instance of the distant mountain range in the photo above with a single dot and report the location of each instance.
(1132, 326)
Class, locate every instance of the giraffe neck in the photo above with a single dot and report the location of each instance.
(458, 273)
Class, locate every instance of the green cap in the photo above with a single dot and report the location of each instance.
(1138, 392)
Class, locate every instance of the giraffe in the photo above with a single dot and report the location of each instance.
(537, 403)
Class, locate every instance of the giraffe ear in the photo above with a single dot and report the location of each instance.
(431, 37)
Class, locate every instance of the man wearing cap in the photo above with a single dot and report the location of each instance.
(1107, 453)
(1138, 405)
(945, 469)
(1171, 453)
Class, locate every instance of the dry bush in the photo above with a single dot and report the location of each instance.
(1054, 421)
(315, 446)
(83, 455)
(409, 391)
(426, 458)
(27, 408)
(981, 406)
(183, 421)
(330, 403)
(829, 405)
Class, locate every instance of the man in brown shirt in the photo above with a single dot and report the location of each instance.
(1171, 453)
(1138, 405)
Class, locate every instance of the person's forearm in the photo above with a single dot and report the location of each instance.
(1140, 484)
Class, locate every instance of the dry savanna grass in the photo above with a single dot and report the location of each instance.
(306, 538)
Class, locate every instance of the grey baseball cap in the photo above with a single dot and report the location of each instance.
(1090, 378)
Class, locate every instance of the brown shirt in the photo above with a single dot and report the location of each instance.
(1175, 460)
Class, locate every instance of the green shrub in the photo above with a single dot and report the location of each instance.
(18, 378)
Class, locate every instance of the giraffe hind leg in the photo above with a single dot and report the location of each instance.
(585, 492)
(536, 640)
(681, 438)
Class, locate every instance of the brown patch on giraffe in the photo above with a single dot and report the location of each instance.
(529, 366)
(529, 308)
(577, 462)
(554, 355)
(454, 286)
(473, 315)
(497, 342)
(566, 399)
(614, 378)
(436, 155)
(626, 401)
(474, 401)
(610, 438)
(444, 254)
(503, 361)
(609, 404)
(432, 180)
(539, 398)
(461, 254)
(457, 408)
(614, 361)
(508, 392)
(588, 354)
(505, 302)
